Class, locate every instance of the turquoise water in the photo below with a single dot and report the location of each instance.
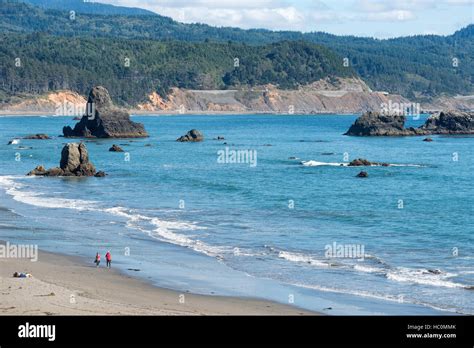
(191, 223)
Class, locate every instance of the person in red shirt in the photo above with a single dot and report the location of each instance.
(108, 258)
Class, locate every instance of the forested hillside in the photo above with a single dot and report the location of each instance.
(131, 69)
(91, 7)
(416, 67)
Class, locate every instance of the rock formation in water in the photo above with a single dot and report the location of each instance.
(450, 122)
(74, 162)
(115, 148)
(192, 136)
(362, 175)
(376, 124)
(104, 120)
(40, 136)
(361, 162)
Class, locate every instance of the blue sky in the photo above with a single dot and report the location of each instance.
(376, 18)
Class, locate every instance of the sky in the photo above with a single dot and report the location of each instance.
(374, 18)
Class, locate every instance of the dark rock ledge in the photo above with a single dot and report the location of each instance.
(376, 124)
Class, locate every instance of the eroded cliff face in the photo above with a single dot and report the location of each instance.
(339, 96)
(60, 103)
(461, 103)
(324, 96)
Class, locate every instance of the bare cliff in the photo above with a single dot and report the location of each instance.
(59, 103)
(324, 96)
(337, 95)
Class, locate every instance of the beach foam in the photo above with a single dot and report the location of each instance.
(423, 276)
(166, 231)
(318, 164)
(300, 258)
(19, 194)
(160, 229)
(401, 298)
(313, 163)
(368, 269)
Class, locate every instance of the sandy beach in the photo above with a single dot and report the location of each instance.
(63, 285)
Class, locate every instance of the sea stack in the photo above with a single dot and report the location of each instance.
(377, 124)
(192, 136)
(40, 136)
(445, 122)
(450, 122)
(115, 148)
(104, 120)
(74, 162)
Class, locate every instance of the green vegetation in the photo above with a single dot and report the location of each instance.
(130, 69)
(418, 66)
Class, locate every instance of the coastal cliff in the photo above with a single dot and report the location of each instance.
(337, 96)
(332, 96)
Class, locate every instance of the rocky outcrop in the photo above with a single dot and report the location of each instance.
(361, 162)
(450, 122)
(40, 136)
(192, 136)
(362, 175)
(115, 148)
(376, 124)
(103, 120)
(74, 162)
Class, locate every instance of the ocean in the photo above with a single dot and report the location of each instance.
(244, 217)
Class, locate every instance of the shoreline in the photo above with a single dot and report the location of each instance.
(167, 113)
(68, 285)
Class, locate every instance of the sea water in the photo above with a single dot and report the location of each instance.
(279, 224)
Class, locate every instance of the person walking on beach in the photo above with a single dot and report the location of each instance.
(97, 259)
(108, 258)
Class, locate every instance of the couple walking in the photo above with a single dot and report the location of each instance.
(108, 259)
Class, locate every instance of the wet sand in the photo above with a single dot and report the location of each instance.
(63, 285)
